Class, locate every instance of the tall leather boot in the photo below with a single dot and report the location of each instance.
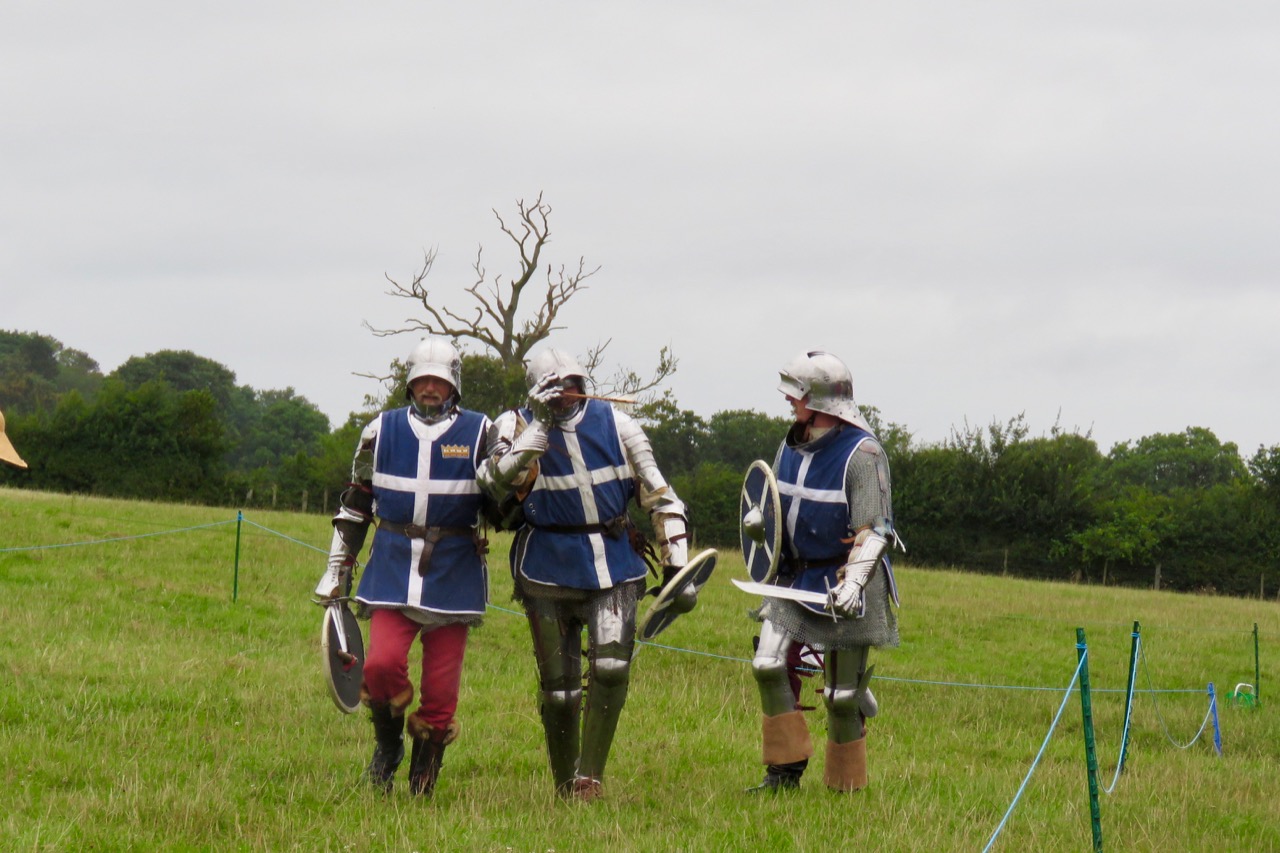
(388, 748)
(428, 755)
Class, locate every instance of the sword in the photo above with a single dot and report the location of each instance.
(768, 590)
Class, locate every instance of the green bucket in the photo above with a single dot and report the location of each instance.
(1243, 696)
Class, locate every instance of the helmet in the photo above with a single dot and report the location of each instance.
(554, 361)
(826, 380)
(436, 357)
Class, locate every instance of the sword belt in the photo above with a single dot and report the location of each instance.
(614, 528)
(430, 536)
(796, 565)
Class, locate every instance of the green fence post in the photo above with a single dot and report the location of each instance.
(1257, 672)
(1128, 699)
(1090, 747)
(235, 583)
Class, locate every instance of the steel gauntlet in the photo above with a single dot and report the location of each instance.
(847, 597)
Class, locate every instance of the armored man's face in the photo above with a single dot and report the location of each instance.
(430, 392)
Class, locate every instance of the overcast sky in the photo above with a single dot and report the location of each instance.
(1068, 210)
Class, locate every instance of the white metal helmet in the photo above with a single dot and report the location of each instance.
(434, 356)
(554, 361)
(827, 382)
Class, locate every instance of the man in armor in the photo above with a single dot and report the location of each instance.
(414, 478)
(564, 469)
(835, 505)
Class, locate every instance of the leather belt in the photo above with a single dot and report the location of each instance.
(429, 534)
(614, 528)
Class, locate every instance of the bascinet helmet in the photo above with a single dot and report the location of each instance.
(826, 380)
(434, 356)
(558, 362)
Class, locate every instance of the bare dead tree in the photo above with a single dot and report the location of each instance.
(497, 322)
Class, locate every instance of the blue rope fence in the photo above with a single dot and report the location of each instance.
(1138, 661)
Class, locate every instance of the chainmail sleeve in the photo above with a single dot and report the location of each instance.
(868, 490)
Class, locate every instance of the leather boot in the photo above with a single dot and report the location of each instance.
(781, 777)
(388, 749)
(428, 755)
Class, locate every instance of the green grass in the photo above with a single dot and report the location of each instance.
(142, 708)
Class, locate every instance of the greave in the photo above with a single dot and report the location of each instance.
(560, 720)
(606, 694)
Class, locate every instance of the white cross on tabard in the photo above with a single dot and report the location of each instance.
(799, 492)
(583, 479)
(423, 487)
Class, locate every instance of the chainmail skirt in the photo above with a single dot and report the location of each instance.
(879, 627)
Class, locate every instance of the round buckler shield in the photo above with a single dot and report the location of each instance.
(343, 650)
(665, 608)
(760, 524)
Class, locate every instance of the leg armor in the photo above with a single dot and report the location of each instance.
(785, 736)
(611, 634)
(771, 671)
(557, 646)
(849, 702)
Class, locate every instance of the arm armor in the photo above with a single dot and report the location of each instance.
(514, 450)
(654, 494)
(854, 576)
(351, 521)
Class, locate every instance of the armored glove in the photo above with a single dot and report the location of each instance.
(547, 389)
(847, 596)
(673, 545)
(336, 578)
(518, 465)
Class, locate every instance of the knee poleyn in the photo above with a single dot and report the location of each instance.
(561, 700)
(769, 670)
(612, 672)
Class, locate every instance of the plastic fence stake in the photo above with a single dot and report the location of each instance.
(1257, 673)
(1213, 711)
(235, 581)
(1128, 700)
(1090, 747)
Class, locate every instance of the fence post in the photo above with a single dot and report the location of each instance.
(1090, 747)
(1128, 699)
(235, 583)
(1213, 710)
(1257, 672)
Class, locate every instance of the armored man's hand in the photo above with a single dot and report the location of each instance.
(847, 596)
(540, 396)
(673, 546)
(333, 583)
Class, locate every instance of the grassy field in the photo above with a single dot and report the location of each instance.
(142, 708)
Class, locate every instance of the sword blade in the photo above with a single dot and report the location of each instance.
(768, 590)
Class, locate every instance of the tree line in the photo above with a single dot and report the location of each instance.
(1181, 511)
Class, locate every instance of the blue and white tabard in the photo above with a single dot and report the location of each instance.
(584, 478)
(429, 483)
(814, 506)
